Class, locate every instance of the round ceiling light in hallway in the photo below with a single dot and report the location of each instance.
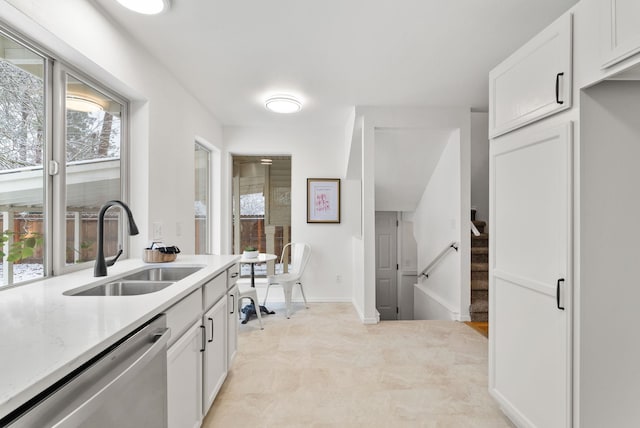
(283, 103)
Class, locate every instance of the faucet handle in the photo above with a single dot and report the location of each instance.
(112, 261)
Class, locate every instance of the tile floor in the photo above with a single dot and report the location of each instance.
(323, 368)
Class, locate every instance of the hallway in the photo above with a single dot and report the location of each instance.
(323, 368)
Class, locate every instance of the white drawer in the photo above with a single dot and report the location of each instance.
(214, 289)
(233, 273)
(184, 313)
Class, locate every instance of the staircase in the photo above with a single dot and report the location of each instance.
(479, 309)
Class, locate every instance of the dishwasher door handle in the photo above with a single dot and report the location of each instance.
(92, 403)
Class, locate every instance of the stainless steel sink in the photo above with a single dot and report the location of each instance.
(145, 281)
(123, 288)
(174, 273)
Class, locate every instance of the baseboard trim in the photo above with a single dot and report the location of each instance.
(363, 319)
(323, 300)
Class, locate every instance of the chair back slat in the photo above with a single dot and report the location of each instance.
(300, 254)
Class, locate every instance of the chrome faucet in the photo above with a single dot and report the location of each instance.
(100, 268)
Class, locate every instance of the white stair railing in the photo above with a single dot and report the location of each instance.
(474, 229)
(454, 245)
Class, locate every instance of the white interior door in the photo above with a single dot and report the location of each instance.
(530, 335)
(387, 265)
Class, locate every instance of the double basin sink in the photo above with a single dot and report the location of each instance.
(148, 280)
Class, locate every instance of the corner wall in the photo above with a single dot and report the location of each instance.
(437, 224)
(480, 165)
(608, 294)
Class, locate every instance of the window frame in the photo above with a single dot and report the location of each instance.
(54, 152)
(60, 70)
(210, 149)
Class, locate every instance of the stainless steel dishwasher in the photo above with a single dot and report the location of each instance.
(124, 386)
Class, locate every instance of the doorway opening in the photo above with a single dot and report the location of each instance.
(261, 208)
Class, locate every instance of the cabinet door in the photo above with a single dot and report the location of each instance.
(184, 379)
(534, 82)
(215, 355)
(232, 334)
(530, 276)
(620, 30)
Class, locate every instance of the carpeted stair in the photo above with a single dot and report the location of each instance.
(479, 309)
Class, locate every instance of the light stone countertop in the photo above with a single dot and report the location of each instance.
(45, 335)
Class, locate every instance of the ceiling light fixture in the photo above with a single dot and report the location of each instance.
(82, 104)
(283, 104)
(146, 7)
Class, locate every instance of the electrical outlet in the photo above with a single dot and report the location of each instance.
(157, 231)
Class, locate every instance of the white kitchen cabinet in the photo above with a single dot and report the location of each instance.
(198, 359)
(215, 354)
(184, 379)
(619, 30)
(530, 338)
(534, 82)
(232, 324)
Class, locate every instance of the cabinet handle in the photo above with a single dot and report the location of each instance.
(234, 275)
(204, 337)
(558, 100)
(212, 327)
(558, 294)
(233, 305)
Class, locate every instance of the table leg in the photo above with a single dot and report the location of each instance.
(253, 276)
(251, 309)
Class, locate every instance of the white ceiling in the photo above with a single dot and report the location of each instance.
(335, 53)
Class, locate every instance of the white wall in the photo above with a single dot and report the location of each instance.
(480, 165)
(315, 153)
(165, 119)
(608, 294)
(437, 223)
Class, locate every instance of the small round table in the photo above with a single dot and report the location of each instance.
(262, 258)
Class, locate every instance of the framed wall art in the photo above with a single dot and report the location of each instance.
(323, 200)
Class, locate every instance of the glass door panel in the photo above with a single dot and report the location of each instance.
(261, 206)
(22, 153)
(93, 169)
(202, 200)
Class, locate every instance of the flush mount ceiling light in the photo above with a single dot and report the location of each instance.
(146, 7)
(82, 104)
(283, 104)
(266, 161)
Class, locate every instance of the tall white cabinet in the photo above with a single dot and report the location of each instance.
(563, 308)
(531, 208)
(530, 315)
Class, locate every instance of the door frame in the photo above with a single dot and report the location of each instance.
(397, 260)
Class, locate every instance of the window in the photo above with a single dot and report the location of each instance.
(93, 131)
(202, 162)
(61, 143)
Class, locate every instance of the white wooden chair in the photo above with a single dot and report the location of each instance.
(300, 254)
